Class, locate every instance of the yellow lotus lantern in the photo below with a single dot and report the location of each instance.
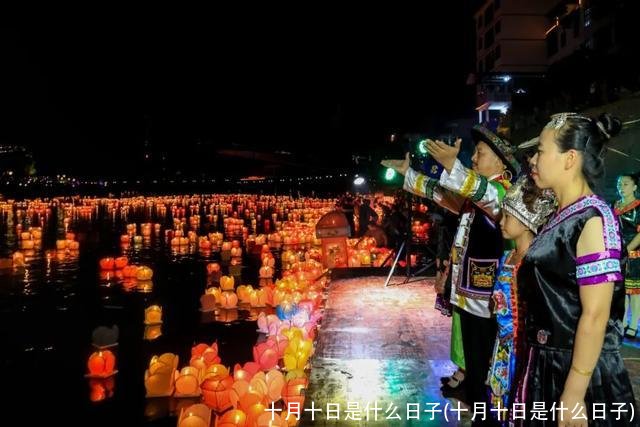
(258, 298)
(227, 283)
(197, 415)
(297, 353)
(160, 376)
(244, 293)
(144, 273)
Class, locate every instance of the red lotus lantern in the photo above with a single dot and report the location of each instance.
(235, 418)
(293, 392)
(203, 356)
(101, 364)
(121, 262)
(106, 263)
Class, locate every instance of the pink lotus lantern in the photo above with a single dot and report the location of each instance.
(279, 344)
(265, 356)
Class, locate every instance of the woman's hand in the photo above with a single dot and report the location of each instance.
(575, 414)
(444, 154)
(400, 166)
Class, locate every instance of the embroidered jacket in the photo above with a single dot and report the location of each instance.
(478, 244)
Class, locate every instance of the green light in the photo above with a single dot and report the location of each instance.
(389, 174)
(422, 146)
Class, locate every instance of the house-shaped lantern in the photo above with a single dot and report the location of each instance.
(333, 230)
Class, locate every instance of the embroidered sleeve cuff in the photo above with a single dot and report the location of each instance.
(600, 267)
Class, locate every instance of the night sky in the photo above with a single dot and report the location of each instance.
(84, 94)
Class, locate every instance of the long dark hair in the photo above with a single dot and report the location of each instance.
(589, 136)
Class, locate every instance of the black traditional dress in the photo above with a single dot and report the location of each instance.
(549, 280)
(630, 226)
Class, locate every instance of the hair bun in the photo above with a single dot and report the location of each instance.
(610, 126)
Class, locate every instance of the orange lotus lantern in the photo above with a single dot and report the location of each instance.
(271, 419)
(61, 244)
(197, 415)
(121, 262)
(153, 315)
(275, 384)
(18, 259)
(254, 413)
(160, 376)
(144, 273)
(187, 382)
(203, 356)
(235, 418)
(209, 300)
(227, 283)
(73, 245)
(215, 393)
(212, 268)
(107, 263)
(101, 364)
(228, 300)
(265, 356)
(293, 392)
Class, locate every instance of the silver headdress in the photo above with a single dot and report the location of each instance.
(543, 206)
(558, 120)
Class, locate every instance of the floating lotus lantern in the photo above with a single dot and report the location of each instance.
(106, 263)
(258, 298)
(279, 344)
(253, 413)
(144, 273)
(234, 418)
(203, 356)
(61, 244)
(101, 364)
(268, 323)
(159, 377)
(197, 415)
(121, 262)
(209, 300)
(227, 283)
(286, 311)
(125, 239)
(130, 271)
(215, 392)
(297, 353)
(153, 315)
(187, 382)
(137, 240)
(18, 259)
(244, 293)
(265, 355)
(293, 392)
(228, 300)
